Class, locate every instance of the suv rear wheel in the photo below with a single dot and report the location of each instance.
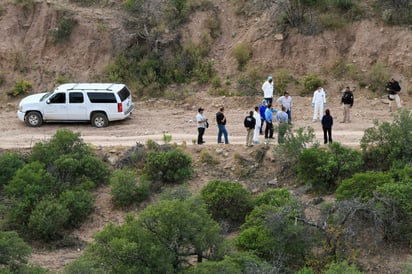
(34, 119)
(99, 120)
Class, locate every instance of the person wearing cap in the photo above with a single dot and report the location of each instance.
(318, 103)
(201, 125)
(262, 109)
(286, 101)
(267, 88)
(347, 102)
(221, 124)
(269, 122)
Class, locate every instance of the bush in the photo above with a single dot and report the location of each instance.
(362, 186)
(172, 166)
(64, 29)
(388, 144)
(310, 83)
(394, 203)
(14, 251)
(342, 268)
(282, 78)
(242, 53)
(125, 189)
(323, 169)
(377, 77)
(227, 201)
(20, 87)
(10, 162)
(79, 204)
(47, 220)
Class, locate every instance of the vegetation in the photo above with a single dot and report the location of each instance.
(242, 53)
(64, 29)
(20, 87)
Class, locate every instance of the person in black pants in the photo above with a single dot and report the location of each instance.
(327, 123)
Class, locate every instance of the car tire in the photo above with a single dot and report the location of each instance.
(34, 119)
(99, 120)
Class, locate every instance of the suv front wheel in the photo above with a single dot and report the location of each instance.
(99, 120)
(34, 119)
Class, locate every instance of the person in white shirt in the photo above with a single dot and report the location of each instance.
(286, 101)
(318, 103)
(258, 125)
(267, 88)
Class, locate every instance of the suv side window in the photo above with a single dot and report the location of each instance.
(58, 98)
(76, 97)
(101, 97)
(124, 93)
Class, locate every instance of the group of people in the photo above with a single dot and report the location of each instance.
(267, 114)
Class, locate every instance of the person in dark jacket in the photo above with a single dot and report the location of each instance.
(327, 123)
(347, 102)
(393, 88)
(250, 123)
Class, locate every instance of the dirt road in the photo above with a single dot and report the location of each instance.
(154, 118)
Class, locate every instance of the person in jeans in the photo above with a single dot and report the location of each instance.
(221, 124)
(269, 122)
(201, 125)
(287, 102)
(262, 109)
(282, 120)
(327, 123)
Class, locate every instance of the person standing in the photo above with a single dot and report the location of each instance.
(258, 125)
(393, 88)
(318, 103)
(327, 123)
(282, 120)
(267, 88)
(201, 125)
(250, 124)
(221, 124)
(347, 101)
(262, 110)
(286, 101)
(269, 119)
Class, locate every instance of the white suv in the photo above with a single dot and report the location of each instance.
(98, 103)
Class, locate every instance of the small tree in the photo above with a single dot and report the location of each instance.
(14, 251)
(125, 188)
(227, 201)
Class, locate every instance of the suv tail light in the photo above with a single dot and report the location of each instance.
(119, 107)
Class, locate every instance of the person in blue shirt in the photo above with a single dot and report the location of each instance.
(262, 109)
(269, 122)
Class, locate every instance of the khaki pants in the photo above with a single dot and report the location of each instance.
(249, 137)
(346, 113)
(397, 100)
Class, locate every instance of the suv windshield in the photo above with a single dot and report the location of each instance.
(45, 96)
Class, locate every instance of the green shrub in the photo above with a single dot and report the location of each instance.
(227, 201)
(20, 87)
(79, 204)
(288, 152)
(126, 190)
(207, 158)
(310, 83)
(64, 29)
(377, 77)
(388, 144)
(29, 185)
(242, 53)
(323, 169)
(342, 5)
(172, 166)
(342, 268)
(10, 162)
(47, 220)
(395, 206)
(282, 78)
(362, 186)
(14, 251)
